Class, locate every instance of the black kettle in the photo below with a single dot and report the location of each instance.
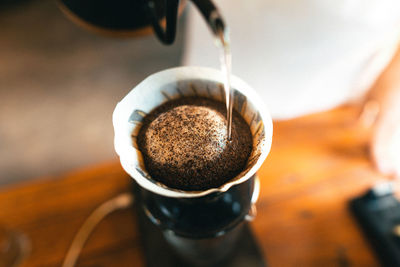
(135, 17)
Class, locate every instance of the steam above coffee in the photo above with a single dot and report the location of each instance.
(185, 145)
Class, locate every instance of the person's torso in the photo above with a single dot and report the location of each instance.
(301, 56)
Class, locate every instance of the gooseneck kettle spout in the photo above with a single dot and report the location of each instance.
(167, 36)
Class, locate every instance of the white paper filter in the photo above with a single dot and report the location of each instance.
(175, 83)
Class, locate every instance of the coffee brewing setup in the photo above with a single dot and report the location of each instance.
(201, 227)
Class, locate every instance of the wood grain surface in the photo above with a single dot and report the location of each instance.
(317, 163)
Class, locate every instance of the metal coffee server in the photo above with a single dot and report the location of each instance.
(203, 231)
(201, 226)
(137, 17)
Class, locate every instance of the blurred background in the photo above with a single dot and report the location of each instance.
(59, 84)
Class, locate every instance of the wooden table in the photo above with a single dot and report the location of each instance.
(317, 163)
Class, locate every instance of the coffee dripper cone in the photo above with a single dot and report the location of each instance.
(175, 83)
(201, 226)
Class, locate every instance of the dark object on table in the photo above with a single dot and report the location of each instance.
(378, 213)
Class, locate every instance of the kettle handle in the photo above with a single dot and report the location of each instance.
(167, 36)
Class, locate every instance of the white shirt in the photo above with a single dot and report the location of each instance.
(301, 56)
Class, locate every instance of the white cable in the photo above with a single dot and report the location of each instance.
(119, 202)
